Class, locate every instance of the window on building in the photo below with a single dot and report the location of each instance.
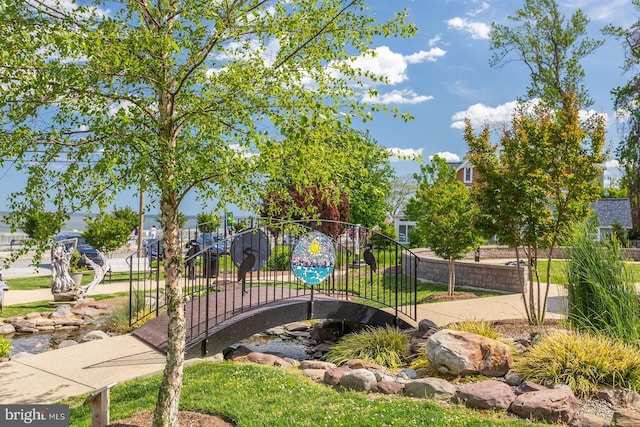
(404, 230)
(468, 174)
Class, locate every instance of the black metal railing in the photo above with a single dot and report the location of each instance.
(369, 268)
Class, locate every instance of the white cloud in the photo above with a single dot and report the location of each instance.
(117, 106)
(612, 163)
(481, 114)
(70, 5)
(448, 156)
(484, 6)
(246, 49)
(622, 114)
(585, 115)
(398, 154)
(612, 172)
(392, 65)
(242, 151)
(404, 96)
(434, 41)
(478, 30)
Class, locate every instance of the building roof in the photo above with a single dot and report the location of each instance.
(610, 211)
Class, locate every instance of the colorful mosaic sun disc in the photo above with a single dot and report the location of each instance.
(313, 258)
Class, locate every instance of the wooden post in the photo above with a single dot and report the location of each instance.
(100, 402)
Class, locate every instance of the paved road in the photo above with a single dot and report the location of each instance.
(23, 267)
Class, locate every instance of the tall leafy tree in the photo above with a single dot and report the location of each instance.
(627, 102)
(402, 189)
(179, 96)
(365, 182)
(208, 222)
(550, 46)
(435, 173)
(369, 183)
(107, 232)
(39, 224)
(128, 215)
(536, 182)
(548, 159)
(446, 222)
(310, 203)
(110, 232)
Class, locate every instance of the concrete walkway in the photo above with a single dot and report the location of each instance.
(490, 308)
(55, 375)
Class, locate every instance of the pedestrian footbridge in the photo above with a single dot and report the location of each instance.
(273, 273)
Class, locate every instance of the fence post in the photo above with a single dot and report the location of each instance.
(100, 401)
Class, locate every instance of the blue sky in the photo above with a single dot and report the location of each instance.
(442, 75)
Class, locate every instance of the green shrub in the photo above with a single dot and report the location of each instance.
(386, 346)
(582, 361)
(381, 237)
(208, 222)
(74, 263)
(280, 259)
(5, 346)
(601, 291)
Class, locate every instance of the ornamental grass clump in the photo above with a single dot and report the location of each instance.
(5, 347)
(601, 293)
(386, 346)
(118, 320)
(478, 327)
(583, 361)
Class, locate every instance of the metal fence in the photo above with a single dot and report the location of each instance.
(232, 272)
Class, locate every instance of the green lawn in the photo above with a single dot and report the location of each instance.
(44, 306)
(254, 395)
(558, 276)
(44, 282)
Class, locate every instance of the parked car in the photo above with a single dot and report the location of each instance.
(153, 248)
(522, 262)
(215, 241)
(83, 247)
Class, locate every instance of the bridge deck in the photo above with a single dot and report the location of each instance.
(225, 307)
(217, 313)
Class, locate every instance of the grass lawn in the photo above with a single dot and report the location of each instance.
(559, 277)
(44, 306)
(44, 282)
(254, 395)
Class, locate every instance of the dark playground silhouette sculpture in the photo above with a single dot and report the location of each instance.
(371, 261)
(245, 266)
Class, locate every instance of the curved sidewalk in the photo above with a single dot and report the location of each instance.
(508, 306)
(59, 374)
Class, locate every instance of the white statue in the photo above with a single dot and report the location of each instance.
(61, 281)
(63, 287)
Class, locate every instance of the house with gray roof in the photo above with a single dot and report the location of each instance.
(611, 211)
(608, 211)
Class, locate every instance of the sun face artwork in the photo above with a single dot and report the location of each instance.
(313, 258)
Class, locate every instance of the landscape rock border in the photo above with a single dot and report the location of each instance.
(504, 392)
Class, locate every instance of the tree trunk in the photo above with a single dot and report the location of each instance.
(522, 283)
(633, 190)
(452, 276)
(166, 412)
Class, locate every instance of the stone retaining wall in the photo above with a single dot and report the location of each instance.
(495, 277)
(504, 252)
